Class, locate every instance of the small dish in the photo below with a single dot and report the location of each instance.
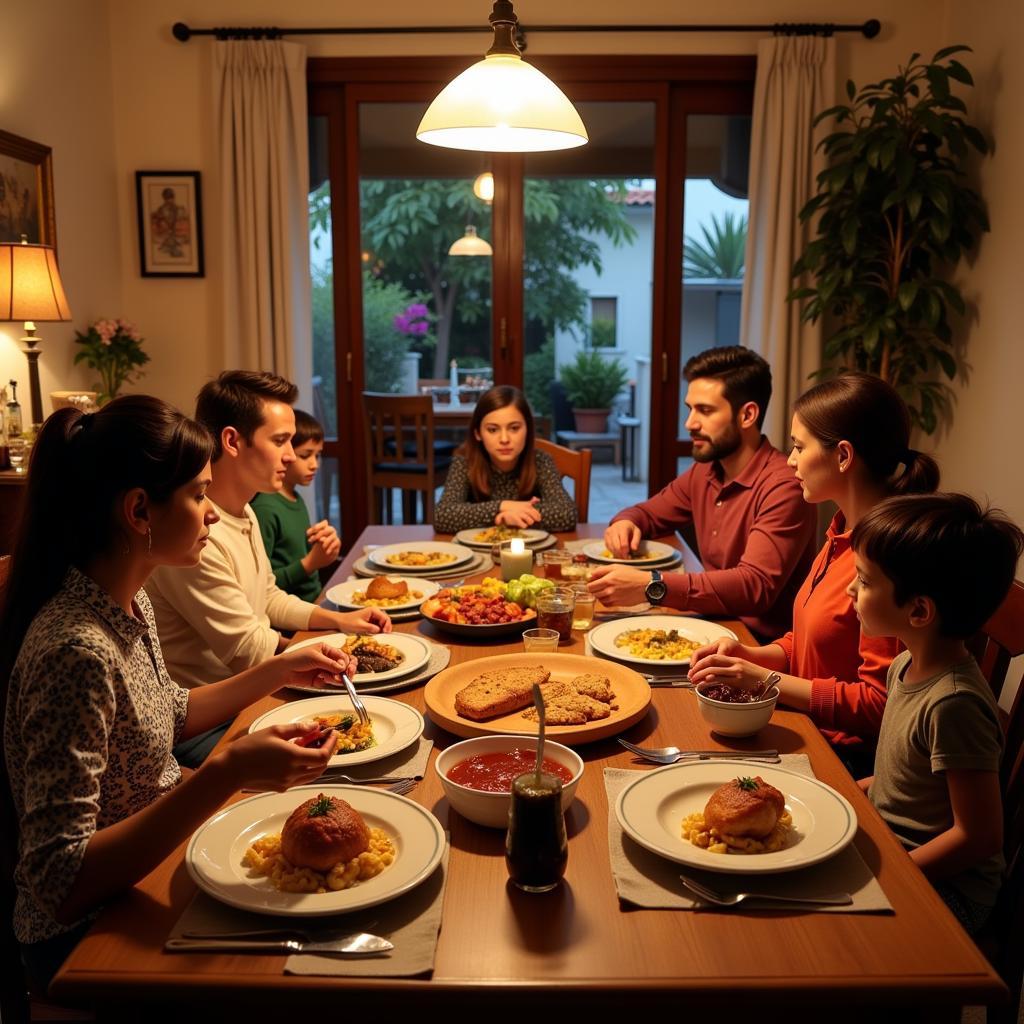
(735, 719)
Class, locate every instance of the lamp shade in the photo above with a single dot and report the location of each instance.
(30, 284)
(471, 244)
(502, 104)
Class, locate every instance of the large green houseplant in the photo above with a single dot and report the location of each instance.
(894, 217)
(591, 384)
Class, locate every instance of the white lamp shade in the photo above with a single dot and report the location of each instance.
(483, 187)
(30, 284)
(502, 105)
(471, 244)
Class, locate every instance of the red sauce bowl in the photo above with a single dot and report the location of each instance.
(491, 809)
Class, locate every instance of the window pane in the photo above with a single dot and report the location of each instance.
(322, 274)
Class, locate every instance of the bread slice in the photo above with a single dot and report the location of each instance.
(498, 693)
(571, 709)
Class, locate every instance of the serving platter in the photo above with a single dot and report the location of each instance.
(214, 854)
(343, 594)
(484, 632)
(459, 556)
(395, 725)
(632, 694)
(416, 653)
(651, 809)
(602, 637)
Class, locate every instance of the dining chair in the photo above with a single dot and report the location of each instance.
(402, 452)
(574, 464)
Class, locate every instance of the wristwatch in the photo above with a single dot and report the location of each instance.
(656, 590)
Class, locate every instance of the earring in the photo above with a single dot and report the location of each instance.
(149, 542)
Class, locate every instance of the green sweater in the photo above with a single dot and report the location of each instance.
(283, 524)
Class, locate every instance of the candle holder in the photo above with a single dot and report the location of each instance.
(514, 558)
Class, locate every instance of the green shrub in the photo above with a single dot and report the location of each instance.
(593, 382)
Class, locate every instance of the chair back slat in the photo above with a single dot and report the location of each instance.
(575, 465)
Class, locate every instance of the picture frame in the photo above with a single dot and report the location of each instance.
(26, 191)
(170, 215)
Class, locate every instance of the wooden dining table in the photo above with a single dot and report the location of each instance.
(577, 949)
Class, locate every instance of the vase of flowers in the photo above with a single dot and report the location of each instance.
(114, 349)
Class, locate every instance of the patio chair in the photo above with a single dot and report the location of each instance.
(574, 464)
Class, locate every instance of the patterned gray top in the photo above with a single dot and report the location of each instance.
(457, 510)
(91, 719)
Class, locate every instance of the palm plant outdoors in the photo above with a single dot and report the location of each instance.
(894, 217)
(721, 252)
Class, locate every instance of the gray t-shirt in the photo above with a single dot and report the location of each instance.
(949, 721)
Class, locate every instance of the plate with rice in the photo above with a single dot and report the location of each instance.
(655, 641)
(381, 656)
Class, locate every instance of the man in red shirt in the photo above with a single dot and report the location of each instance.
(755, 532)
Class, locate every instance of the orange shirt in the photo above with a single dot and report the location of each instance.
(847, 669)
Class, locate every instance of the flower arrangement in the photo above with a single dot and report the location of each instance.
(114, 349)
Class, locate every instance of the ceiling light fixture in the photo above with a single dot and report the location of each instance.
(502, 104)
(471, 244)
(483, 187)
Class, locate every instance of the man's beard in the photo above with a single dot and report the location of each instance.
(725, 446)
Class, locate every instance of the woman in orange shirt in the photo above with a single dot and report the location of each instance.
(850, 446)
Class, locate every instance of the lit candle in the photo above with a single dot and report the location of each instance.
(453, 383)
(515, 560)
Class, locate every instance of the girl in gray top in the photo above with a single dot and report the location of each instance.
(498, 478)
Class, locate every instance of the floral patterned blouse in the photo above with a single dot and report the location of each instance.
(91, 719)
(458, 510)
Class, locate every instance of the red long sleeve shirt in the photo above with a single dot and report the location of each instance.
(755, 533)
(847, 669)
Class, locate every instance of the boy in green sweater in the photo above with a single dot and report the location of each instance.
(297, 550)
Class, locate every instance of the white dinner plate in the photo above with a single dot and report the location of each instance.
(215, 852)
(651, 810)
(342, 594)
(531, 538)
(415, 653)
(652, 550)
(395, 725)
(460, 556)
(602, 638)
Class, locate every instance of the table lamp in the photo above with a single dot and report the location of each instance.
(30, 291)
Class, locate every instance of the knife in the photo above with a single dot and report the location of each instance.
(356, 944)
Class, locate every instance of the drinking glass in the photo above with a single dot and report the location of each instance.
(554, 611)
(583, 613)
(17, 450)
(553, 562)
(541, 640)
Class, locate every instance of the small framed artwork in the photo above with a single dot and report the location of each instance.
(26, 191)
(170, 223)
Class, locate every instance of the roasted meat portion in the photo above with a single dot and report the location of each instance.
(323, 832)
(744, 807)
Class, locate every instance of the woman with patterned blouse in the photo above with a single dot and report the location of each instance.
(91, 715)
(498, 478)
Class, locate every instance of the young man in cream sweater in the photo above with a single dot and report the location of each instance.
(223, 615)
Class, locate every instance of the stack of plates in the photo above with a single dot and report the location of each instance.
(408, 607)
(699, 631)
(535, 540)
(651, 555)
(451, 561)
(420, 658)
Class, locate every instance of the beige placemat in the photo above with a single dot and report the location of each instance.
(412, 922)
(647, 880)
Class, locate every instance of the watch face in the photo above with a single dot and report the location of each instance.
(656, 590)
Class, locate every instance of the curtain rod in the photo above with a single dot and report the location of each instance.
(182, 32)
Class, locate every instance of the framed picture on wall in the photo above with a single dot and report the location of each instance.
(26, 191)
(170, 223)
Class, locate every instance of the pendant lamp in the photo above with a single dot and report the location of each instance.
(483, 187)
(502, 104)
(471, 244)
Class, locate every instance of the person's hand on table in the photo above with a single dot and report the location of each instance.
(622, 538)
(723, 662)
(619, 584)
(325, 546)
(520, 514)
(366, 620)
(271, 759)
(315, 665)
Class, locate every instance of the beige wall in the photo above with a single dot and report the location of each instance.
(106, 85)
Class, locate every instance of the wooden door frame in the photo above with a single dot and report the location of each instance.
(678, 86)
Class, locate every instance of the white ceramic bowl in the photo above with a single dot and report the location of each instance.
(491, 809)
(736, 719)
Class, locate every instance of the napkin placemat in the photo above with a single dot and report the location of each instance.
(439, 658)
(647, 880)
(412, 922)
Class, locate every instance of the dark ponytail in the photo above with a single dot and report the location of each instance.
(869, 414)
(80, 466)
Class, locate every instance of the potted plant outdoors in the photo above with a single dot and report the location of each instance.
(591, 383)
(895, 216)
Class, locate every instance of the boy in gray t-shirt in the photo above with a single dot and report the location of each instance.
(931, 570)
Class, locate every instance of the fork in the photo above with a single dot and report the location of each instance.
(670, 755)
(732, 899)
(332, 776)
(359, 706)
(401, 787)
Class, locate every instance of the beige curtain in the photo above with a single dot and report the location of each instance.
(795, 80)
(260, 118)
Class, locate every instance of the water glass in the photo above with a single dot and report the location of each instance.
(554, 611)
(553, 562)
(583, 612)
(540, 640)
(17, 450)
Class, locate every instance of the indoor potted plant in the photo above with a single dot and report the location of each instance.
(894, 217)
(591, 383)
(114, 349)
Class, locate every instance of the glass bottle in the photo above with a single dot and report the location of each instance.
(14, 424)
(536, 848)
